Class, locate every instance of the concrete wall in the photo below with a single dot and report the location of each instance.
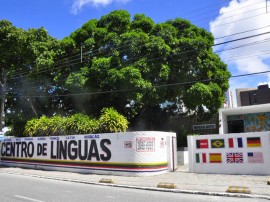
(242, 153)
(182, 157)
(129, 154)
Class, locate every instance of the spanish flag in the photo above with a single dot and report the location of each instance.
(254, 142)
(215, 158)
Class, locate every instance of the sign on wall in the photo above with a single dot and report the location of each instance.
(204, 127)
(119, 152)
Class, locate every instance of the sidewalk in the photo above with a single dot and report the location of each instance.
(213, 184)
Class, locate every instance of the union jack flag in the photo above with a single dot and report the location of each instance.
(235, 157)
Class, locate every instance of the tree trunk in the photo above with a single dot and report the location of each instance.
(33, 107)
(3, 98)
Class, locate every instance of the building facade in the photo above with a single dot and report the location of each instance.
(253, 96)
(254, 118)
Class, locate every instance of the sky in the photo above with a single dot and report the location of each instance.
(228, 20)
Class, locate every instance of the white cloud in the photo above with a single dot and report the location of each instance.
(241, 16)
(79, 4)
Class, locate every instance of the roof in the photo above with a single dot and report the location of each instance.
(246, 109)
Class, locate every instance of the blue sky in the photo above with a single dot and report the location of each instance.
(61, 17)
(221, 17)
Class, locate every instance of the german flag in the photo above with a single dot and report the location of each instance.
(215, 158)
(254, 142)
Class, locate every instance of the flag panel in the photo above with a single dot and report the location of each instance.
(255, 157)
(253, 142)
(215, 158)
(217, 143)
(231, 143)
(201, 158)
(202, 144)
(239, 142)
(234, 157)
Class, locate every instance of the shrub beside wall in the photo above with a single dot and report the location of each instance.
(110, 121)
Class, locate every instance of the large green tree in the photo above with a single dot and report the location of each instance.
(11, 45)
(142, 68)
(26, 65)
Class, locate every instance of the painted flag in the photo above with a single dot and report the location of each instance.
(217, 143)
(215, 158)
(231, 143)
(255, 157)
(202, 144)
(240, 142)
(234, 157)
(254, 142)
(235, 142)
(201, 158)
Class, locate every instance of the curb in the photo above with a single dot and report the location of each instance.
(166, 185)
(238, 189)
(146, 188)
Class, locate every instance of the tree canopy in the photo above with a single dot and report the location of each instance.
(145, 70)
(137, 66)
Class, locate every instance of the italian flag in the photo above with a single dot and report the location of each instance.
(201, 158)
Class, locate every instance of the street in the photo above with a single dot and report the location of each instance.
(23, 188)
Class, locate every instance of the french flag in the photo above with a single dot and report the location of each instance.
(235, 142)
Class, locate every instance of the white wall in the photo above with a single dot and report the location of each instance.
(259, 164)
(130, 154)
(182, 157)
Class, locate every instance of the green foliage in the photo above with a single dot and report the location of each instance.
(137, 54)
(117, 21)
(77, 79)
(181, 134)
(111, 121)
(142, 23)
(80, 124)
(132, 65)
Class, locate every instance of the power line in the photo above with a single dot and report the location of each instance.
(232, 48)
(147, 88)
(239, 20)
(224, 18)
(251, 30)
(70, 62)
(98, 49)
(219, 25)
(242, 38)
(189, 51)
(247, 56)
(233, 10)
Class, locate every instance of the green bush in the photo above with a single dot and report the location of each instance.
(111, 121)
(45, 126)
(80, 124)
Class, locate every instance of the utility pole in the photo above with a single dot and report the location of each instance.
(81, 52)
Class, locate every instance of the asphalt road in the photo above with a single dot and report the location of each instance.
(16, 188)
